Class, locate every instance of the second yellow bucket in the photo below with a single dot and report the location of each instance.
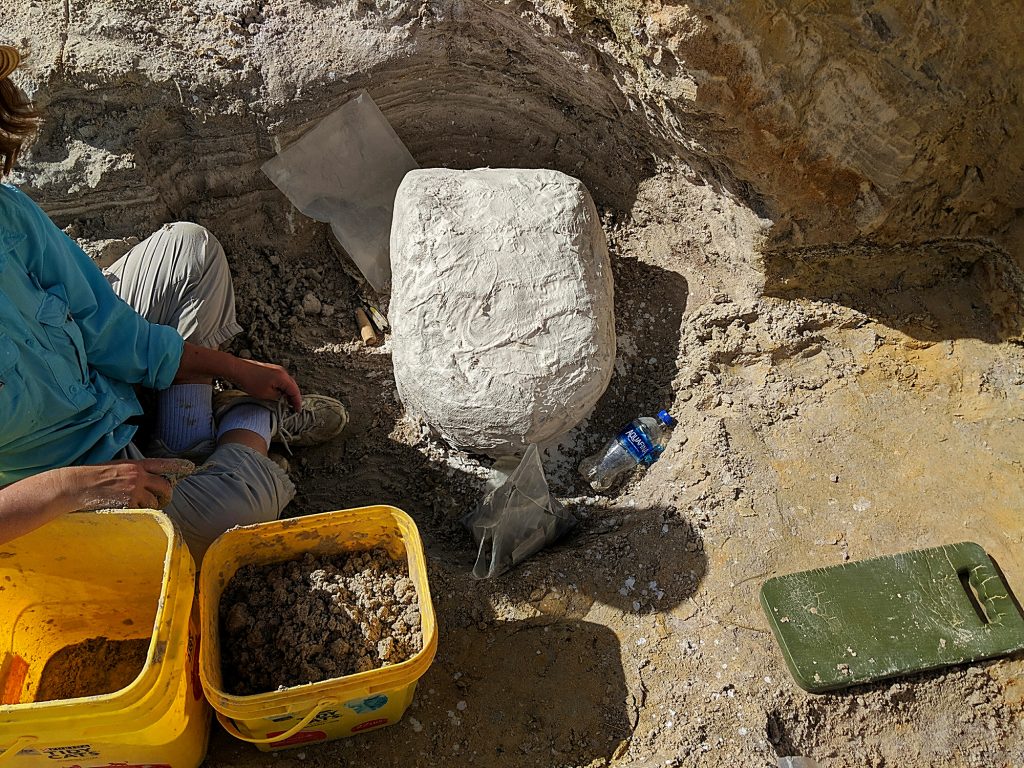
(334, 708)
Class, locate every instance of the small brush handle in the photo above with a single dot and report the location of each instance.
(370, 337)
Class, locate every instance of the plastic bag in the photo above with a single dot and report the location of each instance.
(797, 762)
(516, 519)
(346, 171)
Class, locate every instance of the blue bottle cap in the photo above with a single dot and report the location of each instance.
(666, 418)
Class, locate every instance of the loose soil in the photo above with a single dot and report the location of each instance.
(91, 668)
(317, 618)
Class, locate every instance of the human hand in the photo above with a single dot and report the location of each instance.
(142, 484)
(266, 381)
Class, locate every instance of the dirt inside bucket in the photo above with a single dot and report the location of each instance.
(91, 668)
(316, 618)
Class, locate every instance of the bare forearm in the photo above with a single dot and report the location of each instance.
(35, 501)
(261, 380)
(198, 363)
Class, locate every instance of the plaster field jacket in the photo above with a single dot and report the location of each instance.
(70, 350)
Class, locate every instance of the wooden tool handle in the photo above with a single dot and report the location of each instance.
(370, 337)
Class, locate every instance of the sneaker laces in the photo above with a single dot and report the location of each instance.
(300, 422)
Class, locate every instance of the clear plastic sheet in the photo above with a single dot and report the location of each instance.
(346, 171)
(516, 519)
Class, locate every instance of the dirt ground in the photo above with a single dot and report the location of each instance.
(834, 403)
(812, 432)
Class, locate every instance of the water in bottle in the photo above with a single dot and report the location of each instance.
(641, 442)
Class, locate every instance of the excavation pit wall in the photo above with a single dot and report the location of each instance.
(809, 275)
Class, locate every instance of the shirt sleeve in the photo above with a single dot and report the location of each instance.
(119, 342)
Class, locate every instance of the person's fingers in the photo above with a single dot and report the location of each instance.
(159, 488)
(291, 391)
(145, 500)
(270, 381)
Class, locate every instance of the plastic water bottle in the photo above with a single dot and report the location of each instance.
(641, 442)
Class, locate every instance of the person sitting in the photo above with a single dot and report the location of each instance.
(74, 344)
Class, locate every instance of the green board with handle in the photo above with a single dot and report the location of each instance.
(892, 615)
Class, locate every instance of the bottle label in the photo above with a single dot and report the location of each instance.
(639, 445)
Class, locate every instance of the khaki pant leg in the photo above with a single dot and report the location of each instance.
(236, 486)
(179, 277)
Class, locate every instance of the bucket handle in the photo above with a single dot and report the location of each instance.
(229, 726)
(24, 741)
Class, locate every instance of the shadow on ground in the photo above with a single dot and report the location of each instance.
(541, 668)
(636, 561)
(545, 690)
(931, 291)
(522, 676)
(649, 306)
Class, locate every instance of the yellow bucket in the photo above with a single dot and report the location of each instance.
(121, 575)
(330, 709)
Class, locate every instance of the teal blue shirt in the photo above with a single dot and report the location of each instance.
(70, 350)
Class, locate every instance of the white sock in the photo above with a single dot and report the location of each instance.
(249, 416)
(184, 416)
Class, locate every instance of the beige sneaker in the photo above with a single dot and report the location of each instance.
(321, 419)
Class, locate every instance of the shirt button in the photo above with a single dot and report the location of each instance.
(30, 342)
(73, 388)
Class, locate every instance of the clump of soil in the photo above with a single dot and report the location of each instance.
(91, 668)
(316, 618)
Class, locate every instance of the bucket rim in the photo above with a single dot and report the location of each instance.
(310, 521)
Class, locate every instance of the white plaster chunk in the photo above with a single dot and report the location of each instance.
(503, 328)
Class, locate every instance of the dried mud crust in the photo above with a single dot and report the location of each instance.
(317, 618)
(91, 668)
